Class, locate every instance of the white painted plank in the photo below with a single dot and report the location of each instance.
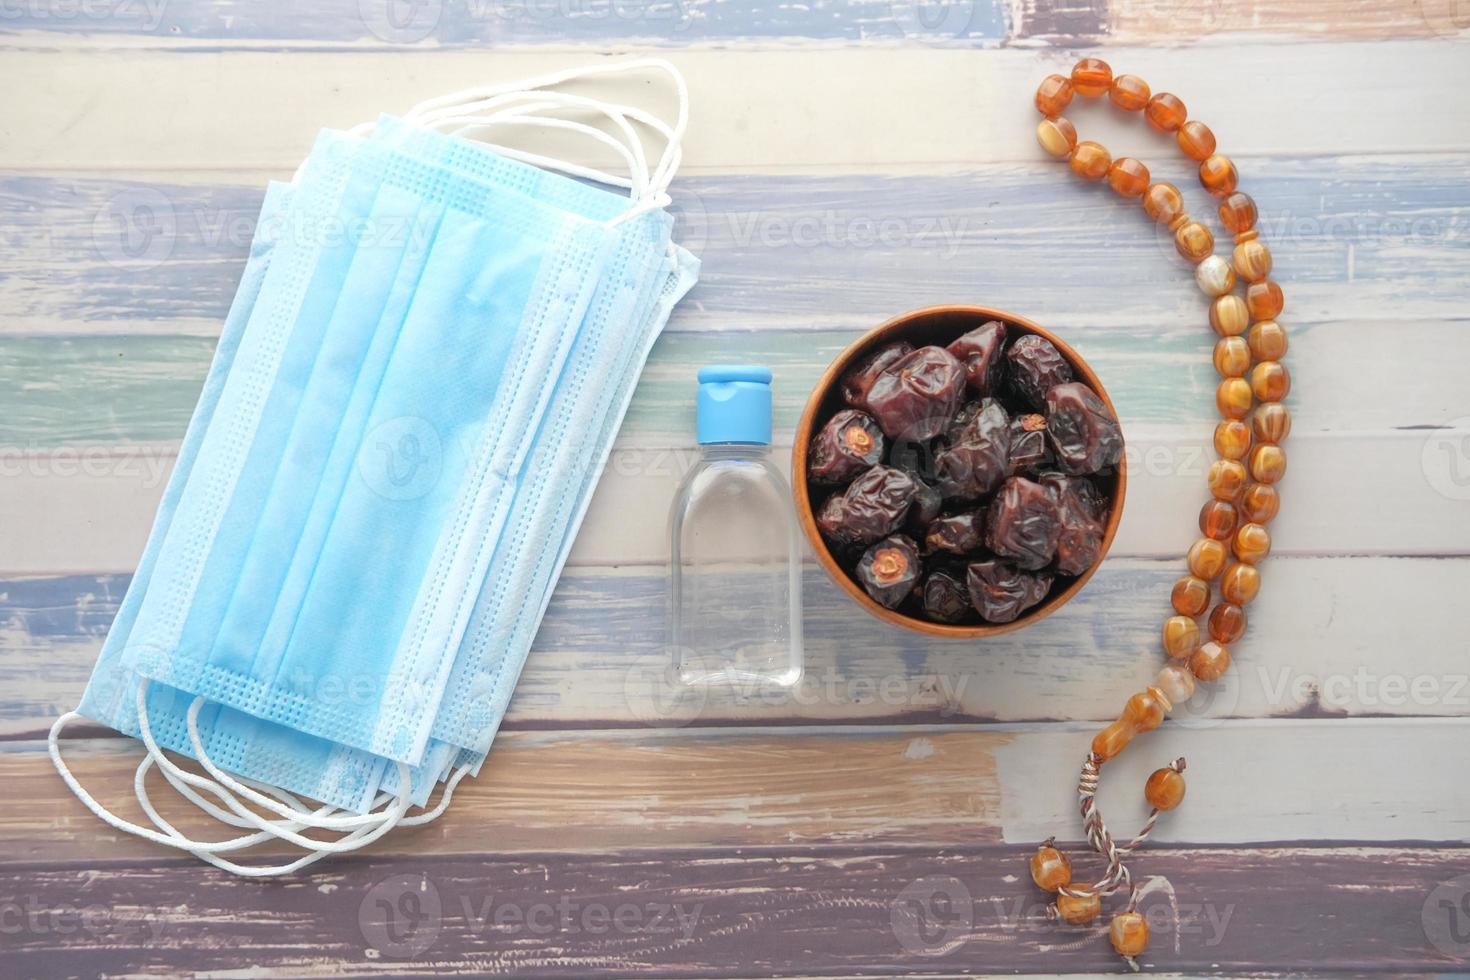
(866, 108)
(1255, 781)
(1388, 493)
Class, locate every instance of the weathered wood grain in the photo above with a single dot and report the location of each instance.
(849, 911)
(842, 252)
(91, 511)
(864, 109)
(612, 790)
(439, 25)
(1319, 645)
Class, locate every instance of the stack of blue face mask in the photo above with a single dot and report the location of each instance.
(432, 347)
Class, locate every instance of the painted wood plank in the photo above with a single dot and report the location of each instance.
(616, 790)
(789, 911)
(1319, 645)
(91, 512)
(65, 399)
(834, 251)
(227, 24)
(865, 109)
(438, 25)
(1148, 22)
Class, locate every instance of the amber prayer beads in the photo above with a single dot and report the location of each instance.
(1242, 481)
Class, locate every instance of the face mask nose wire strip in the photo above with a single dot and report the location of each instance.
(458, 112)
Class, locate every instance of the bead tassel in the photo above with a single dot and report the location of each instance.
(1242, 481)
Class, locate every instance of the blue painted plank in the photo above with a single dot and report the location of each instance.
(483, 23)
(840, 251)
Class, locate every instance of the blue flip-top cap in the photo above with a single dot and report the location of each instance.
(734, 404)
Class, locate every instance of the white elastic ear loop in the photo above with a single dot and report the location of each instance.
(118, 823)
(668, 161)
(296, 814)
(382, 821)
(522, 103)
(619, 113)
(507, 104)
(637, 183)
(140, 790)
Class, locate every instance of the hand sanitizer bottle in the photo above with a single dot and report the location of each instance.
(735, 562)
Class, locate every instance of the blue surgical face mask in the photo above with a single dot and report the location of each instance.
(618, 331)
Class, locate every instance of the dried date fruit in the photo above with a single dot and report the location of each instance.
(977, 459)
(980, 352)
(1080, 542)
(1000, 592)
(961, 419)
(848, 444)
(860, 377)
(1029, 449)
(958, 533)
(873, 506)
(914, 457)
(1083, 432)
(915, 397)
(1036, 366)
(928, 502)
(889, 569)
(1023, 524)
(946, 599)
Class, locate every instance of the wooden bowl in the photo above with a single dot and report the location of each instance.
(936, 325)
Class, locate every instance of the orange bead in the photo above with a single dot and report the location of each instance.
(1252, 543)
(1227, 622)
(1165, 112)
(1164, 789)
(1233, 398)
(1128, 177)
(1194, 241)
(1260, 503)
(1206, 558)
(1143, 713)
(1057, 136)
(1264, 300)
(1232, 439)
(1217, 174)
(1078, 911)
(1240, 583)
(1195, 139)
(1090, 160)
(1226, 479)
(1251, 260)
(1191, 596)
(1268, 463)
(1129, 93)
(1270, 381)
(1271, 422)
(1163, 202)
(1232, 357)
(1210, 661)
(1091, 77)
(1238, 212)
(1217, 520)
(1229, 316)
(1181, 636)
(1175, 682)
(1053, 95)
(1267, 340)
(1128, 932)
(1050, 868)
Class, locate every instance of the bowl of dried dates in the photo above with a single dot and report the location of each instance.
(959, 471)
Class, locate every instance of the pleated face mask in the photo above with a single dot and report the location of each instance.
(371, 441)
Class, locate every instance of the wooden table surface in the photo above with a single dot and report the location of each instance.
(845, 162)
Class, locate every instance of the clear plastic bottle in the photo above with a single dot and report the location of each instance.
(735, 562)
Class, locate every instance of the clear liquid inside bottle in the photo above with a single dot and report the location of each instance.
(735, 572)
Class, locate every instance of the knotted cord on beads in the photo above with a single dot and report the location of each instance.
(1241, 482)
